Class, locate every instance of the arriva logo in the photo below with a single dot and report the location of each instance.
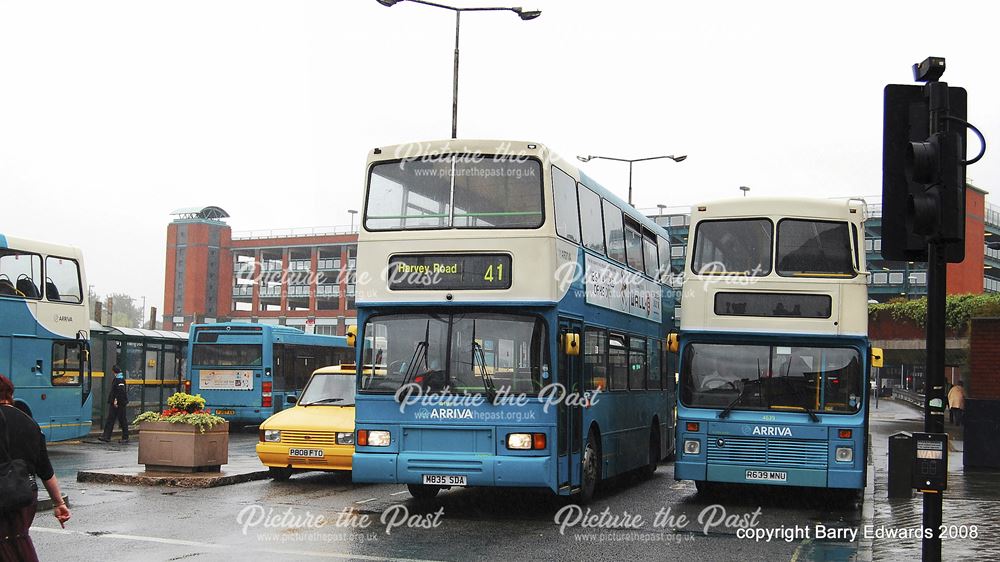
(771, 431)
(451, 414)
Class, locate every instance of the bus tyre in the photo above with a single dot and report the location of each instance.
(705, 488)
(590, 469)
(279, 474)
(423, 492)
(654, 453)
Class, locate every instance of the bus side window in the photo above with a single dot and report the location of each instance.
(595, 370)
(618, 362)
(636, 363)
(654, 351)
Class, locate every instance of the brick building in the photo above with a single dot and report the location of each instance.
(295, 277)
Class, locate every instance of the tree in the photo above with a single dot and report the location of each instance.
(127, 313)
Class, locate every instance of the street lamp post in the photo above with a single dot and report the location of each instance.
(352, 212)
(631, 161)
(523, 14)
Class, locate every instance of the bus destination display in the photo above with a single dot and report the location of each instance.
(449, 271)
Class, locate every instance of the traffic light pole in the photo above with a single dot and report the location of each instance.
(937, 283)
(934, 388)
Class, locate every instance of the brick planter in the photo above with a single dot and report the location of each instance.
(179, 447)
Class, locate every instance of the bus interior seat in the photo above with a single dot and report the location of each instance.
(7, 288)
(26, 286)
(51, 291)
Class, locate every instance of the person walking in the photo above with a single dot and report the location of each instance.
(956, 401)
(117, 401)
(22, 439)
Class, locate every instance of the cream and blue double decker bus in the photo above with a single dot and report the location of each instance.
(774, 356)
(512, 323)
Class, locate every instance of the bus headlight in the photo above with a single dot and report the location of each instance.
(845, 454)
(378, 438)
(692, 446)
(519, 441)
(272, 435)
(345, 438)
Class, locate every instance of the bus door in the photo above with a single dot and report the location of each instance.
(569, 434)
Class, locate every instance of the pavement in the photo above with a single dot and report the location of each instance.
(971, 501)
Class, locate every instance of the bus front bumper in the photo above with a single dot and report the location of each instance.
(781, 476)
(479, 470)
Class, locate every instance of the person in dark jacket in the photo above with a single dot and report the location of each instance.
(117, 401)
(21, 438)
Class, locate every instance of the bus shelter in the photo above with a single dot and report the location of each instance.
(153, 362)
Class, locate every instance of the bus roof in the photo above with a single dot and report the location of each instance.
(276, 331)
(844, 209)
(46, 248)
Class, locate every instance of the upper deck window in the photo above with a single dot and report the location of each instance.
(567, 215)
(591, 219)
(733, 246)
(62, 280)
(808, 248)
(614, 232)
(20, 274)
(455, 191)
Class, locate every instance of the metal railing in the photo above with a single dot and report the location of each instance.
(299, 232)
(909, 396)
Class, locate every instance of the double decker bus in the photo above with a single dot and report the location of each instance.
(774, 353)
(44, 334)
(513, 323)
(247, 372)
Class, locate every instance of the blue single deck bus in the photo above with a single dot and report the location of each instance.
(514, 323)
(774, 352)
(247, 372)
(44, 334)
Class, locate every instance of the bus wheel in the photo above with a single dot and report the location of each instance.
(654, 453)
(279, 474)
(705, 488)
(591, 470)
(423, 492)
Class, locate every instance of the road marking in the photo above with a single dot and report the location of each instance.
(366, 501)
(195, 544)
(400, 493)
(798, 551)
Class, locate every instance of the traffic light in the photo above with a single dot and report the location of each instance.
(923, 171)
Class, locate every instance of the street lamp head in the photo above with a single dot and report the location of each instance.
(680, 158)
(389, 3)
(584, 158)
(524, 15)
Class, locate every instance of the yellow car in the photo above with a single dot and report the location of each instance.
(318, 432)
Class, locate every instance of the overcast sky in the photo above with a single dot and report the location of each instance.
(114, 113)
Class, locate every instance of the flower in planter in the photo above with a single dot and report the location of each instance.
(184, 408)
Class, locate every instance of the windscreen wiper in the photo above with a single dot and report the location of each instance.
(479, 358)
(323, 401)
(419, 354)
(746, 383)
(798, 393)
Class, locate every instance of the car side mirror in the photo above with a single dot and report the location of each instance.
(291, 399)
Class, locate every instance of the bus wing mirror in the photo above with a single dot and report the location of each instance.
(352, 335)
(571, 343)
(672, 344)
(878, 357)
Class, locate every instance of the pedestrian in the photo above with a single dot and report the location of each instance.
(117, 401)
(956, 401)
(22, 439)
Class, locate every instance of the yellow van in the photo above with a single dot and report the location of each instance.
(318, 432)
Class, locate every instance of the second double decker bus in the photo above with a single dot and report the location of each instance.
(513, 322)
(45, 334)
(774, 353)
(247, 372)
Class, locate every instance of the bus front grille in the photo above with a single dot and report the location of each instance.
(793, 453)
(444, 465)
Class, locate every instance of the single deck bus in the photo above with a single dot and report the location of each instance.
(513, 320)
(44, 334)
(774, 352)
(248, 372)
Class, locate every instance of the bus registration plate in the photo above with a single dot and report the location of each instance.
(309, 453)
(445, 480)
(225, 412)
(767, 475)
